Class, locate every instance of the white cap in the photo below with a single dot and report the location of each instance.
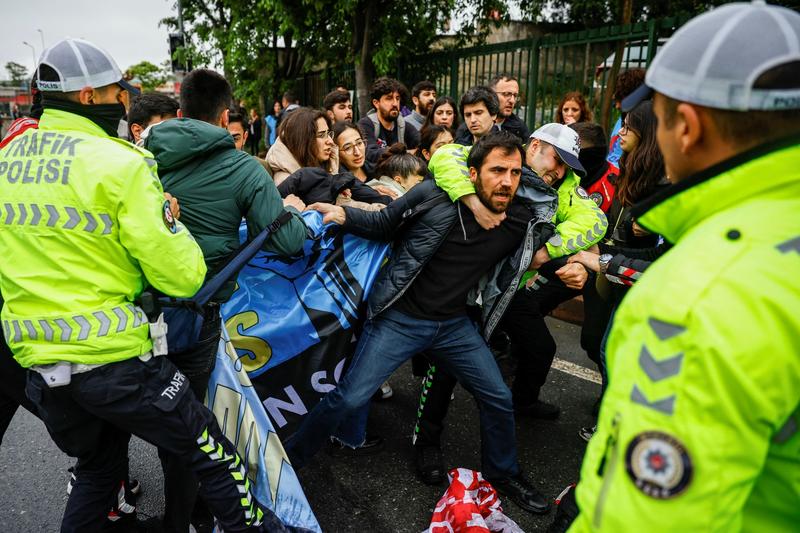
(80, 64)
(715, 59)
(565, 140)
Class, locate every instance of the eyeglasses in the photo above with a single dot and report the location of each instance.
(325, 133)
(626, 128)
(350, 148)
(506, 94)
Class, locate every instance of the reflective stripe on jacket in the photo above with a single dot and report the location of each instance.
(699, 429)
(84, 228)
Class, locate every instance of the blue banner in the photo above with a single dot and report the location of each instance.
(294, 323)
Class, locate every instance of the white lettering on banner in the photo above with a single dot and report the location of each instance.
(318, 377)
(175, 385)
(294, 405)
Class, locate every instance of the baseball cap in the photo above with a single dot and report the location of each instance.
(80, 64)
(565, 140)
(715, 59)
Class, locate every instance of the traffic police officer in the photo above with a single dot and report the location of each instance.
(85, 227)
(698, 430)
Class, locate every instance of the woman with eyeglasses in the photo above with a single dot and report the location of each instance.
(305, 139)
(443, 113)
(352, 150)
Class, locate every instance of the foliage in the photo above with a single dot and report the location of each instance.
(149, 74)
(263, 45)
(18, 73)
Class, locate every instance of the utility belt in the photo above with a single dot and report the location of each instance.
(60, 374)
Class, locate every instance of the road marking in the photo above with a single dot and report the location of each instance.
(577, 370)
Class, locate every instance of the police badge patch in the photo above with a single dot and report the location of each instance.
(581, 192)
(169, 220)
(597, 198)
(658, 464)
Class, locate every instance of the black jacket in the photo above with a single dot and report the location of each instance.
(514, 124)
(419, 222)
(316, 185)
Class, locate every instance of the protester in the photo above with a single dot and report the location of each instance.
(479, 108)
(254, 137)
(305, 139)
(399, 170)
(552, 156)
(691, 392)
(443, 113)
(238, 128)
(626, 83)
(384, 126)
(338, 107)
(423, 94)
(433, 137)
(148, 109)
(441, 255)
(218, 186)
(572, 109)
(507, 90)
(95, 384)
(353, 150)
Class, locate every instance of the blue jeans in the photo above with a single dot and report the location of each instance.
(352, 432)
(386, 343)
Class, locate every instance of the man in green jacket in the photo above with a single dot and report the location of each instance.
(698, 430)
(86, 229)
(217, 186)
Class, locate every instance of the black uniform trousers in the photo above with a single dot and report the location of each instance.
(92, 417)
(181, 505)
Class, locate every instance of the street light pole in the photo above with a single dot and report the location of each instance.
(41, 34)
(33, 72)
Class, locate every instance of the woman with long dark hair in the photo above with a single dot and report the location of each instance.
(443, 113)
(352, 145)
(642, 173)
(305, 139)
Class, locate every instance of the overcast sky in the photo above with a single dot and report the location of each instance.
(128, 30)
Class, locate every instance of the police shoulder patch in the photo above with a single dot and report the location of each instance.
(580, 191)
(658, 464)
(169, 219)
(597, 198)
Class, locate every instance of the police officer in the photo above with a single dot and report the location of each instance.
(85, 229)
(698, 430)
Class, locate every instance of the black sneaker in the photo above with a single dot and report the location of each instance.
(371, 445)
(538, 409)
(521, 492)
(429, 464)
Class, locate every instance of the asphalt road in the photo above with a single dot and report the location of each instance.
(372, 494)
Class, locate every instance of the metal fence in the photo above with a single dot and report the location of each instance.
(547, 67)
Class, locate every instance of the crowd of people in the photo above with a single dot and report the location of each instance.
(680, 231)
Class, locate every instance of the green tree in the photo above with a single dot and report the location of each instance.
(263, 45)
(18, 73)
(149, 74)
